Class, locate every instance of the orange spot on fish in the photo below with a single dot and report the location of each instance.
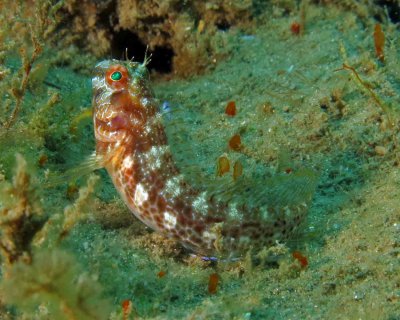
(230, 108)
(235, 143)
(223, 165)
(213, 283)
(300, 258)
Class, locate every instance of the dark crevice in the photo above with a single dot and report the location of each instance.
(393, 9)
(161, 59)
(125, 41)
(223, 25)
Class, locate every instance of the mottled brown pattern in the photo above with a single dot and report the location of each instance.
(131, 140)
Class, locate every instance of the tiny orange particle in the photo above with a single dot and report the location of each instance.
(379, 41)
(235, 143)
(42, 160)
(213, 283)
(237, 170)
(125, 304)
(72, 191)
(288, 170)
(300, 258)
(126, 308)
(295, 27)
(230, 109)
(223, 165)
(161, 274)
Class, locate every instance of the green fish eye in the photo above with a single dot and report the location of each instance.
(116, 76)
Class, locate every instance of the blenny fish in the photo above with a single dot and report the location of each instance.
(132, 143)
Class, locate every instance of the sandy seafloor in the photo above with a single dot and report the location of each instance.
(290, 101)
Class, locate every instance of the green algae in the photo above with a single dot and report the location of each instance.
(322, 119)
(50, 282)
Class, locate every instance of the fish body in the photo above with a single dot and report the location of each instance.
(131, 140)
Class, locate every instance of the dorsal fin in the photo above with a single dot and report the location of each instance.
(283, 185)
(279, 190)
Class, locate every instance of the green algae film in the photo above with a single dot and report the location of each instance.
(315, 115)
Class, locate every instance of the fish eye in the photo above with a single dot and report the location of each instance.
(116, 76)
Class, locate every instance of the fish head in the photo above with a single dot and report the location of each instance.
(122, 101)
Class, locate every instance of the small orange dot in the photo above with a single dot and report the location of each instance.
(42, 160)
(213, 283)
(300, 258)
(72, 191)
(223, 165)
(161, 274)
(126, 309)
(295, 27)
(230, 109)
(235, 143)
(125, 304)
